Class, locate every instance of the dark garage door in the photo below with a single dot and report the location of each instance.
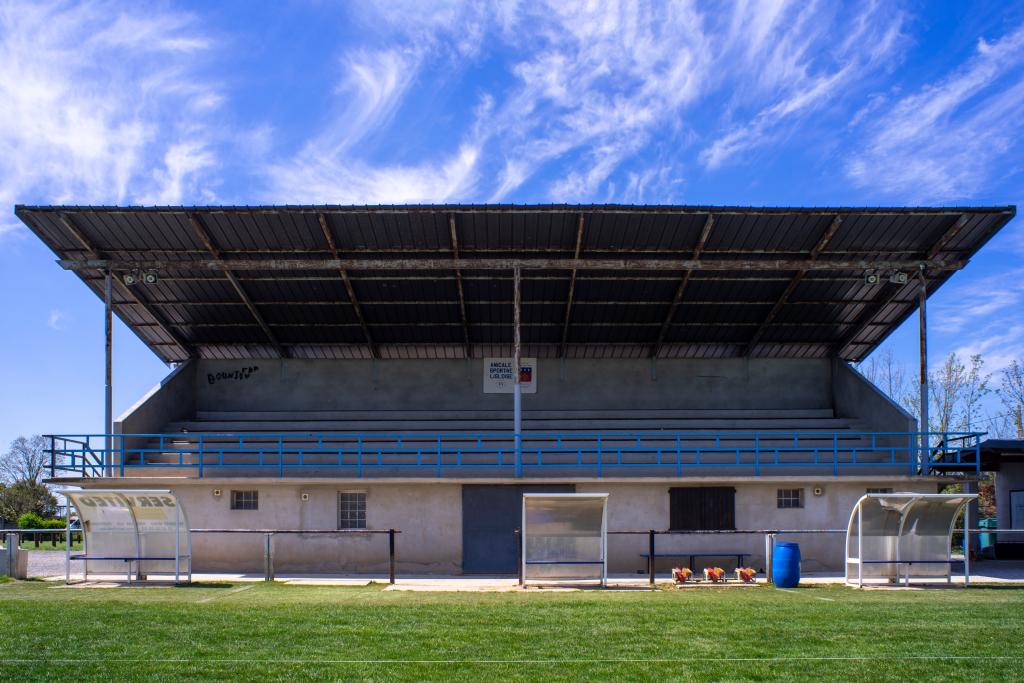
(490, 516)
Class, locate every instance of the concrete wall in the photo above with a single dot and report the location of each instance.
(859, 399)
(430, 518)
(1010, 477)
(173, 399)
(458, 385)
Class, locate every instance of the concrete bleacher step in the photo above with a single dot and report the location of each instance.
(429, 440)
(317, 415)
(553, 426)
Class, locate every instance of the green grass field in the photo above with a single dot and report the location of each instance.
(278, 632)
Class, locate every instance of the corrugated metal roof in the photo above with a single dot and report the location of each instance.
(197, 311)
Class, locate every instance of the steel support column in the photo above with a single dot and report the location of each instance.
(517, 388)
(923, 359)
(108, 399)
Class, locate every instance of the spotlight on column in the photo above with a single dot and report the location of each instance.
(898, 278)
(151, 278)
(130, 278)
(871, 278)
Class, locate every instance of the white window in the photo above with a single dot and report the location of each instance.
(790, 498)
(351, 510)
(245, 500)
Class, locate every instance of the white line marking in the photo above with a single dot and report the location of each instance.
(816, 597)
(604, 660)
(224, 595)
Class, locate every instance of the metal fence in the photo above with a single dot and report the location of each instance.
(585, 454)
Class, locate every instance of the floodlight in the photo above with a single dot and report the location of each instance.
(898, 278)
(871, 278)
(130, 279)
(151, 278)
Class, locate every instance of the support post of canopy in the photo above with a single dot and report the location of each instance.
(108, 402)
(517, 389)
(967, 544)
(923, 357)
(860, 546)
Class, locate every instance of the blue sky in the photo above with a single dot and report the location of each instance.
(773, 103)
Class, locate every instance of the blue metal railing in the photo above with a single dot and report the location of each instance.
(568, 453)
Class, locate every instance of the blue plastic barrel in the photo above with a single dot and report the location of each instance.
(786, 565)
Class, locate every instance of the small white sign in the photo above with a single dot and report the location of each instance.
(499, 377)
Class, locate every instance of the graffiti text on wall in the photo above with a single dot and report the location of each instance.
(242, 373)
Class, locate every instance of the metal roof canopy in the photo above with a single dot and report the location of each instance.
(436, 281)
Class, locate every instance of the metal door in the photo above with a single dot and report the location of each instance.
(490, 516)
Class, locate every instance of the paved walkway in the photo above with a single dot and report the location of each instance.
(50, 565)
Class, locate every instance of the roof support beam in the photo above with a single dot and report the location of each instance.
(572, 287)
(681, 290)
(349, 289)
(201, 233)
(454, 235)
(948, 237)
(867, 318)
(404, 264)
(128, 292)
(791, 287)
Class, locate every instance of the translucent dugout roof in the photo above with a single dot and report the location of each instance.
(565, 536)
(902, 535)
(124, 529)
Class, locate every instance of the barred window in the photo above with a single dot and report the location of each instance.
(889, 490)
(351, 510)
(245, 500)
(790, 498)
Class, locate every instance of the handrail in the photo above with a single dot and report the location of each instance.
(433, 452)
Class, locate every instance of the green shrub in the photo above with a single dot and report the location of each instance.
(30, 520)
(54, 524)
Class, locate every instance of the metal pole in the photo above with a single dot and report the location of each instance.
(519, 555)
(650, 556)
(391, 556)
(108, 405)
(517, 389)
(967, 546)
(67, 546)
(923, 358)
(769, 541)
(860, 547)
(177, 545)
(268, 557)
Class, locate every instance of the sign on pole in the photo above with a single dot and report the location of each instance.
(498, 377)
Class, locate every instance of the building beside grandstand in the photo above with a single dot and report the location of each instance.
(421, 367)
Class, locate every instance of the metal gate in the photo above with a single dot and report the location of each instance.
(490, 516)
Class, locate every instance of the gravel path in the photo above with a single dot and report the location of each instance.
(46, 563)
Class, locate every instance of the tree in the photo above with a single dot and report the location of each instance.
(27, 460)
(26, 496)
(1011, 394)
(974, 389)
(946, 389)
(886, 373)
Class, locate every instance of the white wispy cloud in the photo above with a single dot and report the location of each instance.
(942, 141)
(965, 306)
(590, 92)
(57, 320)
(102, 103)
